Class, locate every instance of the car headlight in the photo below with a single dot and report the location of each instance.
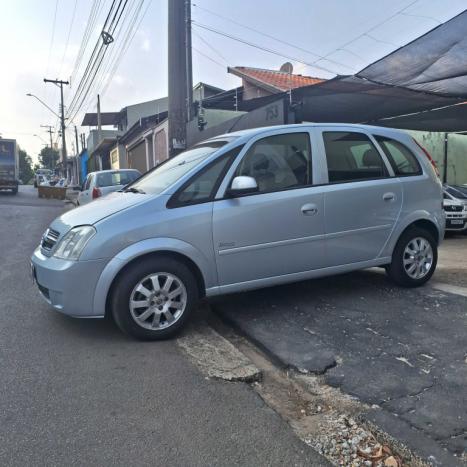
(73, 243)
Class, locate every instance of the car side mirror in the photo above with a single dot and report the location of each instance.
(242, 185)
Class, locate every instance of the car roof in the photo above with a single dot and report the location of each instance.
(112, 171)
(255, 131)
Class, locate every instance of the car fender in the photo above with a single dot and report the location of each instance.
(404, 221)
(151, 245)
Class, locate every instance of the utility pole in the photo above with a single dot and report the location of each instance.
(50, 132)
(445, 161)
(76, 139)
(179, 28)
(60, 84)
(99, 119)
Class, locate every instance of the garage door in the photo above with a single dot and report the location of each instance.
(137, 157)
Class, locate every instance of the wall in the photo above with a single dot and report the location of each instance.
(433, 142)
(250, 91)
(144, 109)
(92, 139)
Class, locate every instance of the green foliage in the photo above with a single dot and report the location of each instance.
(48, 157)
(26, 171)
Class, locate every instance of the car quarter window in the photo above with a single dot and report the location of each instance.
(278, 162)
(351, 156)
(400, 157)
(203, 186)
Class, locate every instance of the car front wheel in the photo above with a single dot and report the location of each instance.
(414, 258)
(153, 298)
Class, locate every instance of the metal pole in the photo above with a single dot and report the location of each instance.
(99, 120)
(445, 172)
(177, 69)
(76, 139)
(189, 68)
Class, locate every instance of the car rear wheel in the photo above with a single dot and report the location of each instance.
(153, 298)
(414, 258)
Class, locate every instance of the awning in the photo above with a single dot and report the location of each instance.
(435, 62)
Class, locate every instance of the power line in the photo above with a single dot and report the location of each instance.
(260, 47)
(343, 46)
(70, 28)
(94, 60)
(210, 47)
(91, 81)
(132, 28)
(269, 36)
(208, 57)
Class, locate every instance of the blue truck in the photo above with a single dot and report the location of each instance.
(9, 165)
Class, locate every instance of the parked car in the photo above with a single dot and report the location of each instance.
(101, 183)
(455, 206)
(250, 209)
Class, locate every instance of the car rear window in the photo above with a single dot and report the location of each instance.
(351, 156)
(116, 178)
(401, 158)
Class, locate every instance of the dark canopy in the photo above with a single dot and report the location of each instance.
(435, 62)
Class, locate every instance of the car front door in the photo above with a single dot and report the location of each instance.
(362, 200)
(279, 229)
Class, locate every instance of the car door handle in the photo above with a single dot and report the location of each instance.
(389, 196)
(309, 209)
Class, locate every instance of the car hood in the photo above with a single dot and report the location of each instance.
(97, 210)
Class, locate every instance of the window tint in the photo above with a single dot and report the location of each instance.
(88, 182)
(278, 162)
(400, 157)
(202, 186)
(352, 156)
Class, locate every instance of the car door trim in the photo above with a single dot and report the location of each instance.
(291, 241)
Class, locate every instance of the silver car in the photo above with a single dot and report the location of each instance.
(102, 183)
(251, 209)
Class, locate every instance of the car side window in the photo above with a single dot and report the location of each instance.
(278, 162)
(88, 182)
(352, 157)
(203, 186)
(400, 157)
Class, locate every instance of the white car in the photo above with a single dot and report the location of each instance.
(455, 207)
(101, 183)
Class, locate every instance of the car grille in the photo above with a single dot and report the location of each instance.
(49, 239)
(453, 208)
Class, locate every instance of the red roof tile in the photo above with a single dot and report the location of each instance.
(277, 80)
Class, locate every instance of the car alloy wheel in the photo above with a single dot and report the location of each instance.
(418, 258)
(158, 301)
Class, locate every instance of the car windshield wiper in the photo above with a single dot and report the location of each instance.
(134, 190)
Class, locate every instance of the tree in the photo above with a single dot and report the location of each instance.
(26, 171)
(48, 158)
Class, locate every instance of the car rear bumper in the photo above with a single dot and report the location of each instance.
(68, 286)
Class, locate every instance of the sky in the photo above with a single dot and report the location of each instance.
(43, 39)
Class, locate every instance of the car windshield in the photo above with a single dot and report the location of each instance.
(456, 193)
(123, 177)
(169, 172)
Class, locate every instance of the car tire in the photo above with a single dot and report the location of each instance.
(160, 317)
(414, 258)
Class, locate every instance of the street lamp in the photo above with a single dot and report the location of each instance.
(43, 103)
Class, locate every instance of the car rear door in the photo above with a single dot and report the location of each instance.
(280, 229)
(362, 199)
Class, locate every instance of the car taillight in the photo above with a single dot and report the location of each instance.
(96, 193)
(427, 154)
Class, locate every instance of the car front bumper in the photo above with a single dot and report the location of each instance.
(68, 286)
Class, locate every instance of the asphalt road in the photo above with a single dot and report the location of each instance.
(78, 392)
